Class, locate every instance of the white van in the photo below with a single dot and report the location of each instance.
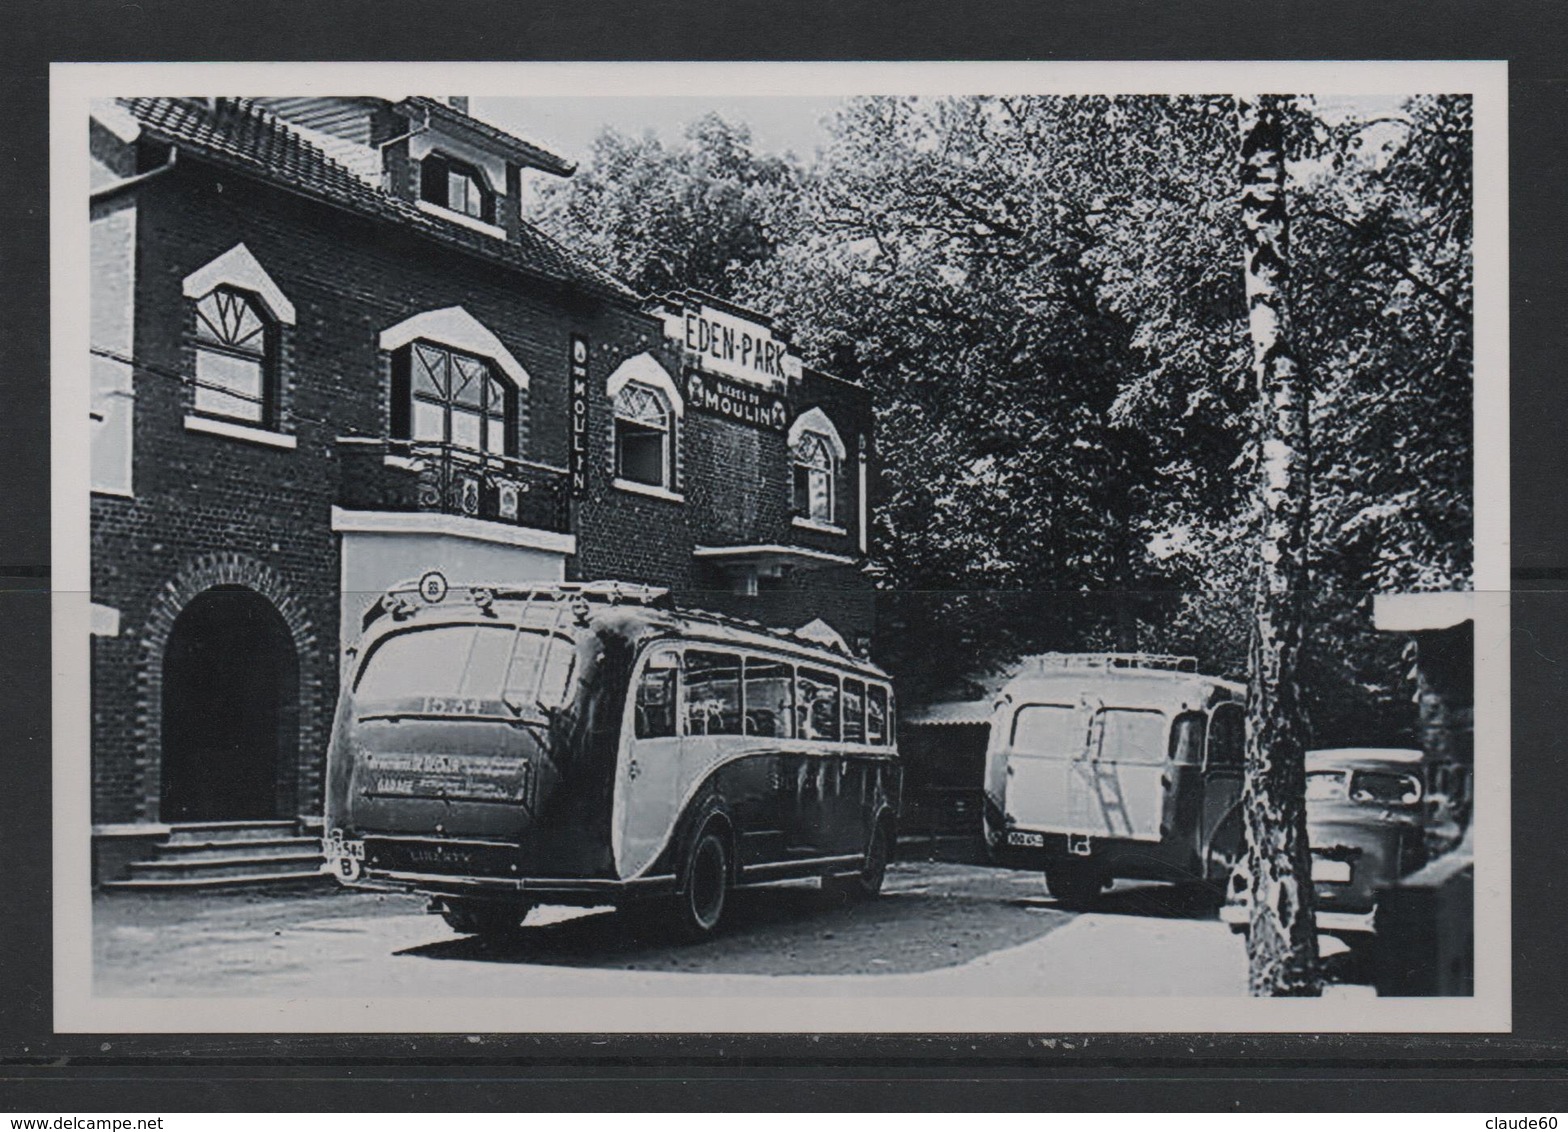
(1108, 765)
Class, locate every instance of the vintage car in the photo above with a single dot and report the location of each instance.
(1371, 819)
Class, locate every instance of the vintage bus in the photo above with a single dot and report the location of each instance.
(497, 747)
(1105, 766)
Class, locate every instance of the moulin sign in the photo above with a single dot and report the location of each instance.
(744, 403)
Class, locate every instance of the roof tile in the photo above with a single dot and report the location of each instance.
(244, 136)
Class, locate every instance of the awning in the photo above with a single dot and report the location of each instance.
(771, 557)
(1416, 613)
(949, 714)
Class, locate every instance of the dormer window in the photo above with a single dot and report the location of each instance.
(456, 187)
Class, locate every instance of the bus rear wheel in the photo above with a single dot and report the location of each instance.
(468, 917)
(867, 883)
(705, 884)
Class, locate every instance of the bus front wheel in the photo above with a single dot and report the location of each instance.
(705, 883)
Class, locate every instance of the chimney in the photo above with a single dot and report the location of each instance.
(458, 104)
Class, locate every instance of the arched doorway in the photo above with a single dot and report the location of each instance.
(230, 710)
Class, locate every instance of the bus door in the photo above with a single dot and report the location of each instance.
(714, 732)
(842, 792)
(647, 793)
(763, 801)
(808, 774)
(1116, 788)
(1224, 756)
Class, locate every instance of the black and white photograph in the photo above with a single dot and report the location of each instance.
(781, 547)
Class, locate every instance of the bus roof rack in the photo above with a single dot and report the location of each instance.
(403, 598)
(1042, 663)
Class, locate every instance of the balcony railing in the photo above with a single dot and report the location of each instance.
(401, 475)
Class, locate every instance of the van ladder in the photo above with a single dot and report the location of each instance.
(1112, 803)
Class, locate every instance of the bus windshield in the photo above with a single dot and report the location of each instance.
(482, 662)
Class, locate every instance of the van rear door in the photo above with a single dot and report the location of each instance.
(1046, 741)
(1118, 784)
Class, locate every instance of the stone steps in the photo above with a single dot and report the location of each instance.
(196, 855)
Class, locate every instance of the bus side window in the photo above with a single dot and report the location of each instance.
(656, 696)
(876, 715)
(712, 693)
(1227, 737)
(770, 698)
(817, 704)
(854, 711)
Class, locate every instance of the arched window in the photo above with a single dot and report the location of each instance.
(459, 399)
(813, 459)
(234, 343)
(644, 431)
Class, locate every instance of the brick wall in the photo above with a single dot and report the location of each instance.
(213, 510)
(198, 495)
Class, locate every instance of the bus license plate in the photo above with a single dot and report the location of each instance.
(1028, 840)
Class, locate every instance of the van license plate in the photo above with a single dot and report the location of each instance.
(1029, 840)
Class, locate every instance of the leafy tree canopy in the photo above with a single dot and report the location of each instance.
(664, 218)
(1045, 296)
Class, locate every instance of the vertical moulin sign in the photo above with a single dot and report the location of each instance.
(577, 463)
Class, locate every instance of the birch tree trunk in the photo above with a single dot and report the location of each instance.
(1282, 941)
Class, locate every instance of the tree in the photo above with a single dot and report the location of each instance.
(1043, 295)
(1381, 316)
(1053, 333)
(691, 216)
(1282, 941)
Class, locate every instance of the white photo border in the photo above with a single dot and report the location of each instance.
(794, 1003)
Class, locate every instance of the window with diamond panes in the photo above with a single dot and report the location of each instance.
(233, 339)
(459, 400)
(813, 478)
(642, 436)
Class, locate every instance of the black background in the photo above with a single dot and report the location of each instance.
(85, 1073)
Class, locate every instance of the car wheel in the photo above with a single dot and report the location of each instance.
(1073, 883)
(705, 883)
(483, 919)
(1218, 868)
(867, 883)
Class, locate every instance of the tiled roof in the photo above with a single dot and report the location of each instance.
(238, 134)
(967, 711)
(524, 153)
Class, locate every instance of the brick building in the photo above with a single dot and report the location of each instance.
(327, 355)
